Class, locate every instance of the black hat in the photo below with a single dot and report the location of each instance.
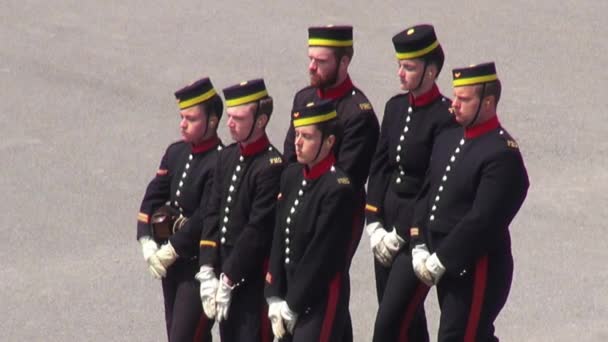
(314, 113)
(245, 92)
(195, 93)
(474, 74)
(415, 42)
(330, 36)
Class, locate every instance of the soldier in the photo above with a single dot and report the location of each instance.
(476, 185)
(330, 50)
(306, 285)
(410, 125)
(182, 184)
(238, 227)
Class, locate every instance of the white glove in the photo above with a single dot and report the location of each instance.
(435, 267)
(208, 289)
(381, 253)
(148, 246)
(149, 249)
(393, 242)
(167, 254)
(385, 245)
(419, 255)
(223, 297)
(274, 314)
(289, 317)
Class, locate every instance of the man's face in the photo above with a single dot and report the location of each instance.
(307, 142)
(240, 120)
(409, 72)
(193, 124)
(323, 68)
(465, 104)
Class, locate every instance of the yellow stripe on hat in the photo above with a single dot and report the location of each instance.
(329, 42)
(196, 100)
(246, 99)
(416, 54)
(474, 80)
(314, 119)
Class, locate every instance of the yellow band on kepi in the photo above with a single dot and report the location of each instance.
(418, 53)
(246, 99)
(314, 119)
(329, 42)
(196, 100)
(474, 80)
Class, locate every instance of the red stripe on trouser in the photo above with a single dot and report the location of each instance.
(479, 289)
(201, 329)
(330, 308)
(410, 311)
(265, 335)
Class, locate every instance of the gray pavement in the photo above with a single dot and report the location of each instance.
(86, 110)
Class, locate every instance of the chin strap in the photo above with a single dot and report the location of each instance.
(483, 94)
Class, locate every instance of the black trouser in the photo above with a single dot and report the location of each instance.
(326, 321)
(248, 314)
(398, 212)
(401, 315)
(471, 302)
(183, 309)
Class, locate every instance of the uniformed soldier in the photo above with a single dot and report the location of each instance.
(330, 50)
(411, 123)
(236, 238)
(477, 183)
(306, 285)
(182, 184)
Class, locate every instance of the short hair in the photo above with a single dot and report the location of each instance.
(213, 106)
(340, 52)
(265, 106)
(332, 127)
(436, 57)
(491, 89)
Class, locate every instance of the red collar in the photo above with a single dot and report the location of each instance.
(336, 92)
(206, 145)
(321, 167)
(255, 147)
(425, 98)
(482, 128)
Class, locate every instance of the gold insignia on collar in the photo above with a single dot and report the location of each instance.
(365, 106)
(410, 31)
(414, 231)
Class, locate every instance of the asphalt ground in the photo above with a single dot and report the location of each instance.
(87, 109)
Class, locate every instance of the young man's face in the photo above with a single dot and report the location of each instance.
(193, 124)
(410, 72)
(323, 67)
(465, 104)
(240, 121)
(307, 142)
